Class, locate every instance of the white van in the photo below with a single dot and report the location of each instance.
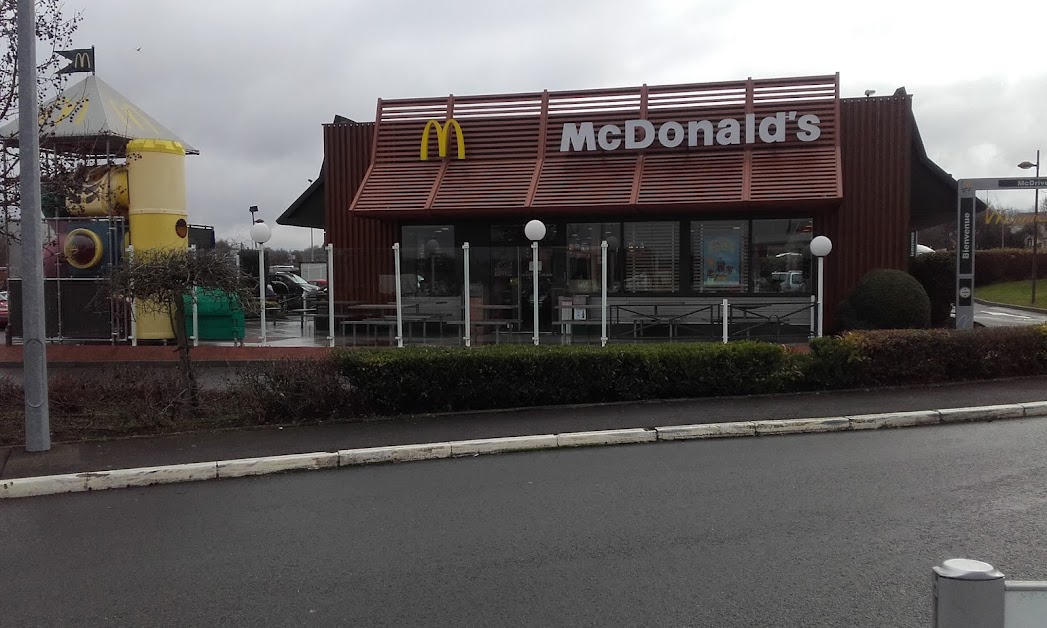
(789, 280)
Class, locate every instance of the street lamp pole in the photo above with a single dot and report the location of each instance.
(535, 231)
(260, 233)
(1035, 220)
(820, 247)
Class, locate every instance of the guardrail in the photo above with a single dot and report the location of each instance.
(974, 594)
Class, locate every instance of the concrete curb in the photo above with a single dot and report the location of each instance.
(146, 476)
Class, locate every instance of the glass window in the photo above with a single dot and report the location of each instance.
(652, 257)
(428, 263)
(720, 252)
(584, 256)
(782, 255)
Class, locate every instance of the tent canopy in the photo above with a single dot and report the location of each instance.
(92, 118)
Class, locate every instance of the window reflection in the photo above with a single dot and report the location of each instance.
(782, 255)
(428, 261)
(584, 257)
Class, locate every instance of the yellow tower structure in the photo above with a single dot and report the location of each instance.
(157, 214)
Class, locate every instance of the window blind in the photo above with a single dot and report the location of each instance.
(652, 257)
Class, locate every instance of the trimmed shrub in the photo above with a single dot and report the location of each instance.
(936, 272)
(885, 299)
(927, 356)
(831, 364)
(292, 391)
(419, 380)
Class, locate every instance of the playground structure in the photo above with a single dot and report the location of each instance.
(123, 194)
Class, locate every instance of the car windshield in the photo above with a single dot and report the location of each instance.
(295, 278)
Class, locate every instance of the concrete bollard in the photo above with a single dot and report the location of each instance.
(968, 594)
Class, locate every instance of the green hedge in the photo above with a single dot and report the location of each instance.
(936, 272)
(925, 356)
(999, 265)
(357, 383)
(410, 380)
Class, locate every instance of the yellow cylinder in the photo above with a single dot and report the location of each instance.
(157, 217)
(105, 193)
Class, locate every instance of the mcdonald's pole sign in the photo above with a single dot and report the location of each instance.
(442, 138)
(83, 60)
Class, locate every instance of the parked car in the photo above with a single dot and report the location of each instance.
(3, 310)
(291, 289)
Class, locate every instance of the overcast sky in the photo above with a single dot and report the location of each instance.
(249, 82)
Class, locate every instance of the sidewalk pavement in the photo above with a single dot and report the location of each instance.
(232, 444)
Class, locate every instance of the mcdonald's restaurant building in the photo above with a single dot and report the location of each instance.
(703, 192)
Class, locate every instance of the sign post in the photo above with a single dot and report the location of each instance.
(965, 245)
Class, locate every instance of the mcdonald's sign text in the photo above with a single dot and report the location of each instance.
(442, 138)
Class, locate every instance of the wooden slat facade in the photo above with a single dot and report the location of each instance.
(513, 162)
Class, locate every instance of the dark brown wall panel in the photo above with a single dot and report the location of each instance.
(358, 242)
(870, 229)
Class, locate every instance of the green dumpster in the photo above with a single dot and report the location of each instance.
(221, 316)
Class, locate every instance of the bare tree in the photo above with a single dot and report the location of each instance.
(54, 29)
(162, 281)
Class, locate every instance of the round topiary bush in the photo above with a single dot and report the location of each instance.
(885, 299)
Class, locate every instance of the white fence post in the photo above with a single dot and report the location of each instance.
(603, 294)
(399, 298)
(534, 275)
(330, 295)
(968, 594)
(468, 314)
(725, 314)
(134, 312)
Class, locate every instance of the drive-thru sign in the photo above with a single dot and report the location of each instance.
(965, 237)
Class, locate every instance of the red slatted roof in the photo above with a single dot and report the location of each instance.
(513, 163)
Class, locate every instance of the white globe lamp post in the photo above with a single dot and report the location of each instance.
(820, 247)
(535, 231)
(261, 233)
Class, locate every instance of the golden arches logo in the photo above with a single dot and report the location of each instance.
(442, 138)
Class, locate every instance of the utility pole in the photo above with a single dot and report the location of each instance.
(34, 350)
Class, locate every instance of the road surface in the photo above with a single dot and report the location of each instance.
(823, 530)
(998, 316)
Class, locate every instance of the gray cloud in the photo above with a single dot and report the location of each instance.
(250, 82)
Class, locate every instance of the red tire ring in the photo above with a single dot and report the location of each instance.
(83, 249)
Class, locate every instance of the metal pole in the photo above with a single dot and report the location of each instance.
(603, 294)
(813, 303)
(534, 274)
(261, 287)
(399, 298)
(468, 314)
(725, 311)
(134, 313)
(34, 351)
(196, 320)
(330, 295)
(196, 311)
(821, 294)
(1035, 228)
(968, 594)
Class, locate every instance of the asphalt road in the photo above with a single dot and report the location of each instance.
(823, 530)
(997, 316)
